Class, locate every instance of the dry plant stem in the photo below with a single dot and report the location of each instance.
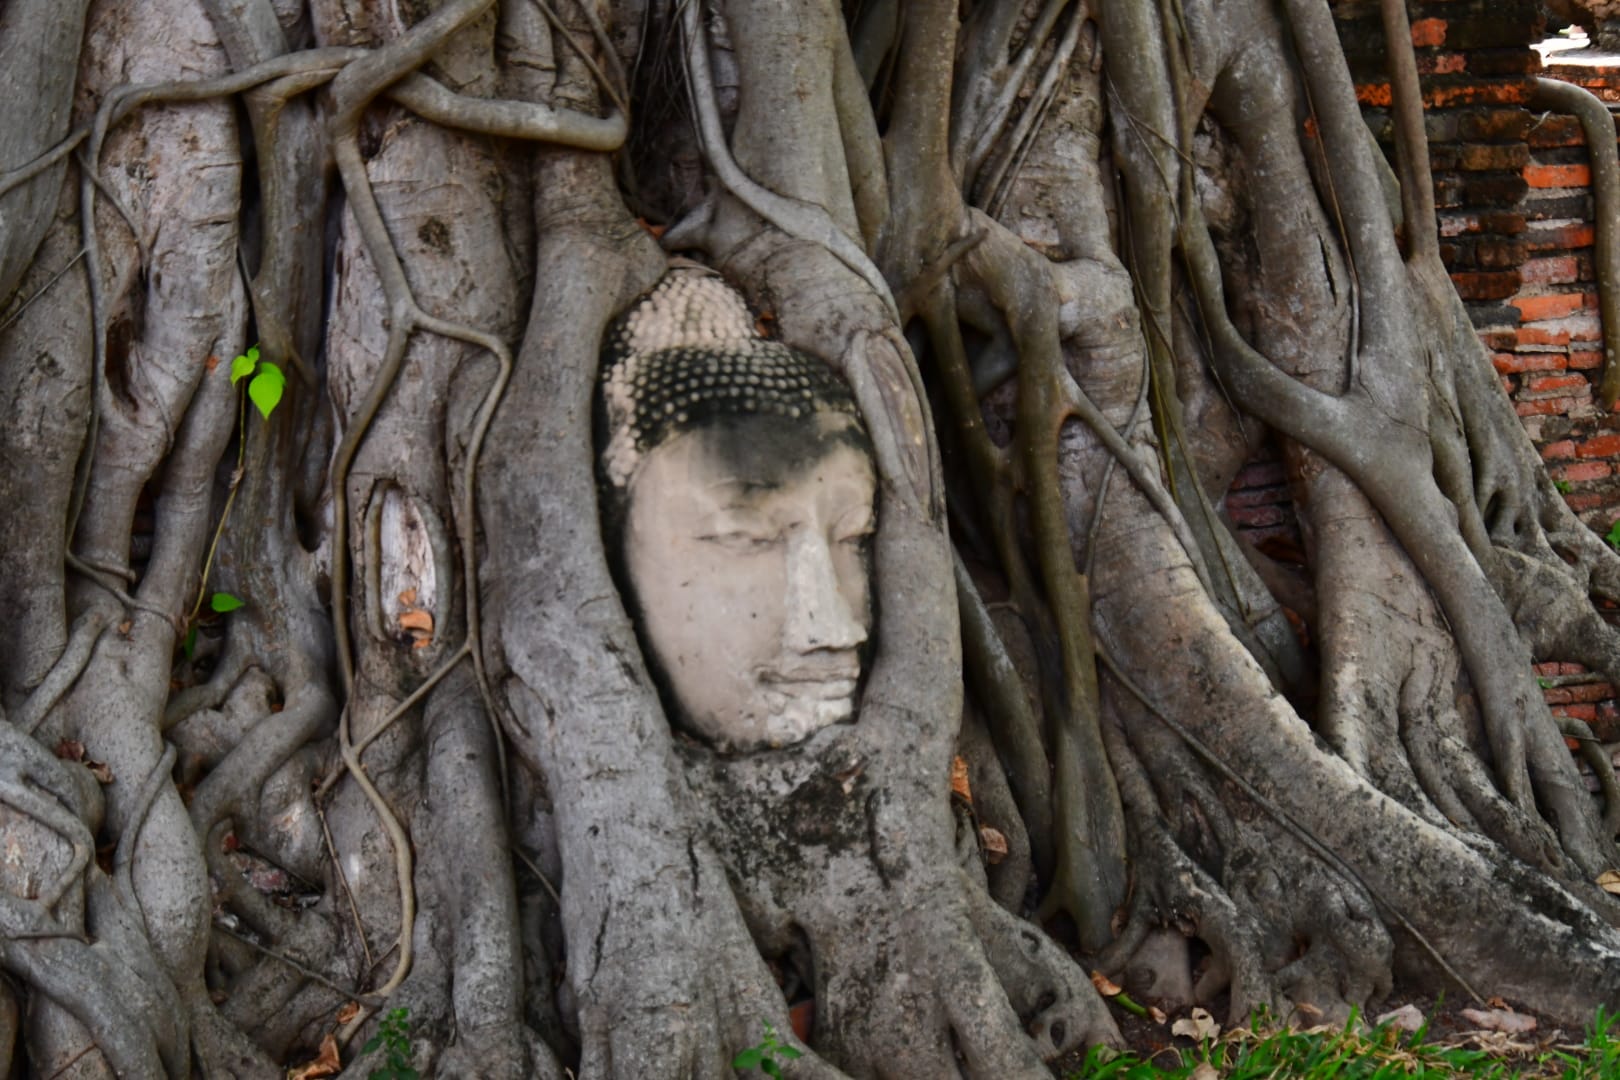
(1598, 124)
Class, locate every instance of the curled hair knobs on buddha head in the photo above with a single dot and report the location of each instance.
(687, 355)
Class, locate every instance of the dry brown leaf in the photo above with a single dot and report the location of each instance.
(1308, 1011)
(959, 778)
(1204, 1071)
(100, 771)
(657, 231)
(1157, 1014)
(212, 362)
(348, 1012)
(995, 844)
(1200, 1025)
(416, 619)
(326, 1063)
(70, 750)
(1497, 1003)
(124, 627)
(1105, 986)
(408, 597)
(1609, 881)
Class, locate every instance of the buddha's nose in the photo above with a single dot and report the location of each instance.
(819, 614)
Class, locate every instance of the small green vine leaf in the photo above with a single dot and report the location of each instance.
(266, 387)
(188, 644)
(243, 365)
(1613, 535)
(224, 601)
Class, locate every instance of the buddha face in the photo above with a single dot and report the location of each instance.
(746, 551)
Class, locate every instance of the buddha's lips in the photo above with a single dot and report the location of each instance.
(829, 682)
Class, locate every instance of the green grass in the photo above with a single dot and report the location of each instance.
(1261, 1053)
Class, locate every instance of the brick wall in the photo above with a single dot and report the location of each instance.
(1512, 192)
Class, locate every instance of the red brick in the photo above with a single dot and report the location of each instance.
(1441, 64)
(1599, 446)
(1607, 726)
(1585, 361)
(1428, 33)
(1548, 668)
(1493, 285)
(1557, 269)
(1496, 253)
(1577, 712)
(1251, 517)
(1513, 363)
(1558, 176)
(1591, 692)
(1496, 125)
(1542, 333)
(1585, 470)
(1586, 500)
(1270, 495)
(1539, 384)
(1553, 130)
(1557, 451)
(1478, 157)
(1561, 237)
(1545, 406)
(1556, 305)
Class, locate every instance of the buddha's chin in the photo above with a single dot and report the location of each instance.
(790, 718)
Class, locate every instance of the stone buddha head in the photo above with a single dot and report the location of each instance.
(739, 498)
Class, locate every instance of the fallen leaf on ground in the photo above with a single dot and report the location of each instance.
(326, 1063)
(959, 778)
(348, 1012)
(1105, 986)
(1157, 1014)
(1609, 881)
(70, 750)
(1505, 1020)
(1405, 1018)
(408, 597)
(1199, 1025)
(1204, 1071)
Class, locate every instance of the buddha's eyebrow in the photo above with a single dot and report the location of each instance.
(740, 490)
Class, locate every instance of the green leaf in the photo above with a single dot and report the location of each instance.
(1613, 535)
(243, 365)
(266, 387)
(788, 1053)
(224, 601)
(748, 1058)
(772, 1069)
(371, 1044)
(188, 644)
